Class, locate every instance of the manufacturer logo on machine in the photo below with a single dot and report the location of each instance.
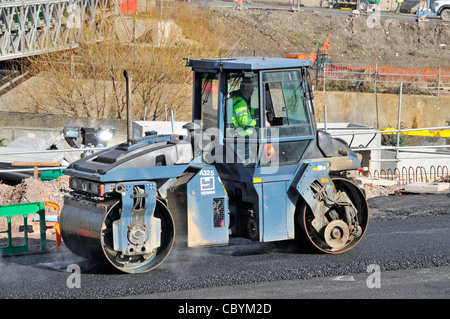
(207, 185)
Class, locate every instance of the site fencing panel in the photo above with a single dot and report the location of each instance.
(379, 77)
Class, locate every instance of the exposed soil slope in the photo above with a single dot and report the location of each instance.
(357, 39)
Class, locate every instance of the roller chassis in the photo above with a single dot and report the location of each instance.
(133, 202)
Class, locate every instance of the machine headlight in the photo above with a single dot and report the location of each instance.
(105, 136)
(105, 133)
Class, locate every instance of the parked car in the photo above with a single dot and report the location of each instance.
(442, 9)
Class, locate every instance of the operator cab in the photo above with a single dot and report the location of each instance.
(258, 109)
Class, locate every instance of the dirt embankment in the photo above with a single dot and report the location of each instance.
(357, 39)
(31, 190)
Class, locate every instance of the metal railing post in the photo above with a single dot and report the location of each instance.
(399, 118)
(439, 81)
(375, 77)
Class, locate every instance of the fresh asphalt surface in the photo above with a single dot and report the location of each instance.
(404, 254)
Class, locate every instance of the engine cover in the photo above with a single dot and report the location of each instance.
(134, 162)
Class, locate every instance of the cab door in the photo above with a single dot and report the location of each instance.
(285, 137)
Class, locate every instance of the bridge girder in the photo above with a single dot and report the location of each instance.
(40, 26)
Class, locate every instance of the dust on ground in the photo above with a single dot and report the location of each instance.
(354, 39)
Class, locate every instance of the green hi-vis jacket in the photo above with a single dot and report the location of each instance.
(242, 117)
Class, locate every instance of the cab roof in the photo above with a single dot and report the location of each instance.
(246, 63)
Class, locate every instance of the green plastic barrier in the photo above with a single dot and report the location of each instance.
(51, 175)
(24, 210)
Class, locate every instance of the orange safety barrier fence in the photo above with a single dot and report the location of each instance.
(55, 225)
(389, 73)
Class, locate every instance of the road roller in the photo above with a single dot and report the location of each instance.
(250, 164)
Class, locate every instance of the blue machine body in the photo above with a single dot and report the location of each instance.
(216, 183)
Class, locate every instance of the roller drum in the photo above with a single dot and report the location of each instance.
(82, 223)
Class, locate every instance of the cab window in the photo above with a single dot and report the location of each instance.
(242, 109)
(209, 100)
(243, 115)
(284, 105)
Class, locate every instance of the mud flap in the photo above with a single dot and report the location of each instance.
(310, 173)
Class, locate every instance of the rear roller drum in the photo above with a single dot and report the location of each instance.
(341, 230)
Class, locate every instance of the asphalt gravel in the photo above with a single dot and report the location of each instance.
(410, 205)
(405, 232)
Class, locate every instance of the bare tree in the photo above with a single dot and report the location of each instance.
(88, 81)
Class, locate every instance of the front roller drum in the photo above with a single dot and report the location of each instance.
(337, 235)
(86, 229)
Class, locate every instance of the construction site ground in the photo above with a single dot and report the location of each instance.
(31, 190)
(394, 42)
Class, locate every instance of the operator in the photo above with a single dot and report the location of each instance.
(242, 112)
(399, 5)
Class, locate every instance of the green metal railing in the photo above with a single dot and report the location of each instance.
(24, 210)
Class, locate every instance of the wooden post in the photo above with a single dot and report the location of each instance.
(36, 165)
